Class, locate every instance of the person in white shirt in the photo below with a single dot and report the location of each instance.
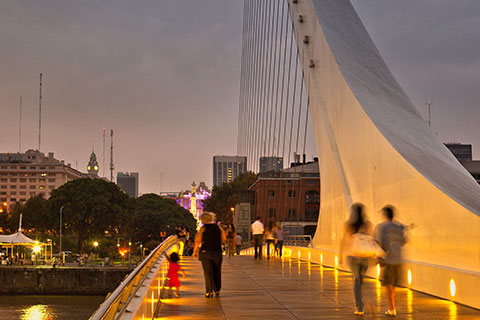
(257, 232)
(239, 243)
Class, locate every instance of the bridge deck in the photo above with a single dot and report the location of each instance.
(286, 289)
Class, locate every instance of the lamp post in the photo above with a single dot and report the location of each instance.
(61, 225)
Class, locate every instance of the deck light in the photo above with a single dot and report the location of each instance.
(453, 288)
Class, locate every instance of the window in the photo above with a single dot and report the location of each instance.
(23, 193)
(4, 167)
(271, 193)
(42, 187)
(292, 214)
(292, 194)
(33, 167)
(32, 194)
(272, 213)
(312, 196)
(13, 186)
(13, 180)
(4, 179)
(32, 180)
(14, 193)
(13, 174)
(32, 187)
(13, 199)
(41, 180)
(3, 186)
(13, 167)
(23, 187)
(23, 180)
(42, 168)
(51, 187)
(23, 200)
(51, 180)
(51, 174)
(51, 167)
(32, 174)
(311, 214)
(23, 167)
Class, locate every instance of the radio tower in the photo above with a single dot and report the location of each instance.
(104, 152)
(111, 156)
(429, 106)
(40, 115)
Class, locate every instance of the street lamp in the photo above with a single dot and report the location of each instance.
(61, 225)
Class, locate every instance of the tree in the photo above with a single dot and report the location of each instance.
(156, 214)
(226, 196)
(91, 207)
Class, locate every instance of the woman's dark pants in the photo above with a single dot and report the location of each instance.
(212, 270)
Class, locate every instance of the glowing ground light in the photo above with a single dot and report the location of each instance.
(453, 288)
(409, 276)
(36, 249)
(298, 254)
(321, 258)
(336, 261)
(378, 271)
(309, 256)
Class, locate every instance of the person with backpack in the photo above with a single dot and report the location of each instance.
(355, 244)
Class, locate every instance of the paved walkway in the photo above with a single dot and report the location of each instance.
(288, 289)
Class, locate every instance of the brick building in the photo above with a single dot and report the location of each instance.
(25, 175)
(289, 195)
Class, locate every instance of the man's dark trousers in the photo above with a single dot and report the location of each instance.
(258, 242)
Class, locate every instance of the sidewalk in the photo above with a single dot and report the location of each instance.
(286, 289)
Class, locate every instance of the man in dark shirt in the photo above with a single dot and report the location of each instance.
(390, 235)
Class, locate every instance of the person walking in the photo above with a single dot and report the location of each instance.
(239, 243)
(270, 238)
(279, 241)
(390, 235)
(208, 249)
(257, 233)
(231, 239)
(172, 274)
(357, 228)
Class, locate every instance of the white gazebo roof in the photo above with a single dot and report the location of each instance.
(16, 238)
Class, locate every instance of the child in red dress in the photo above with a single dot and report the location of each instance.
(173, 269)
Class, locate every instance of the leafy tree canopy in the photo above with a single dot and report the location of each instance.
(226, 196)
(91, 207)
(156, 214)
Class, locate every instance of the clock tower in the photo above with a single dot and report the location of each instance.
(92, 166)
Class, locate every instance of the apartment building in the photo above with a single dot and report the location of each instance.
(25, 175)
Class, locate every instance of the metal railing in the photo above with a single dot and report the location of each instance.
(299, 241)
(117, 302)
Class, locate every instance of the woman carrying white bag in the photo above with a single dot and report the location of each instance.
(359, 246)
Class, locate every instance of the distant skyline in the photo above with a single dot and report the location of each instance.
(165, 77)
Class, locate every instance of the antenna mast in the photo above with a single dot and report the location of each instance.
(40, 115)
(20, 127)
(104, 152)
(111, 156)
(429, 106)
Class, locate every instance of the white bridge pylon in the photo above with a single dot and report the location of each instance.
(375, 148)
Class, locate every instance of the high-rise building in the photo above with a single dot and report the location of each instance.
(463, 152)
(26, 175)
(271, 164)
(128, 181)
(227, 168)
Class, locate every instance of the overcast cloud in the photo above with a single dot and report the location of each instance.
(165, 76)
